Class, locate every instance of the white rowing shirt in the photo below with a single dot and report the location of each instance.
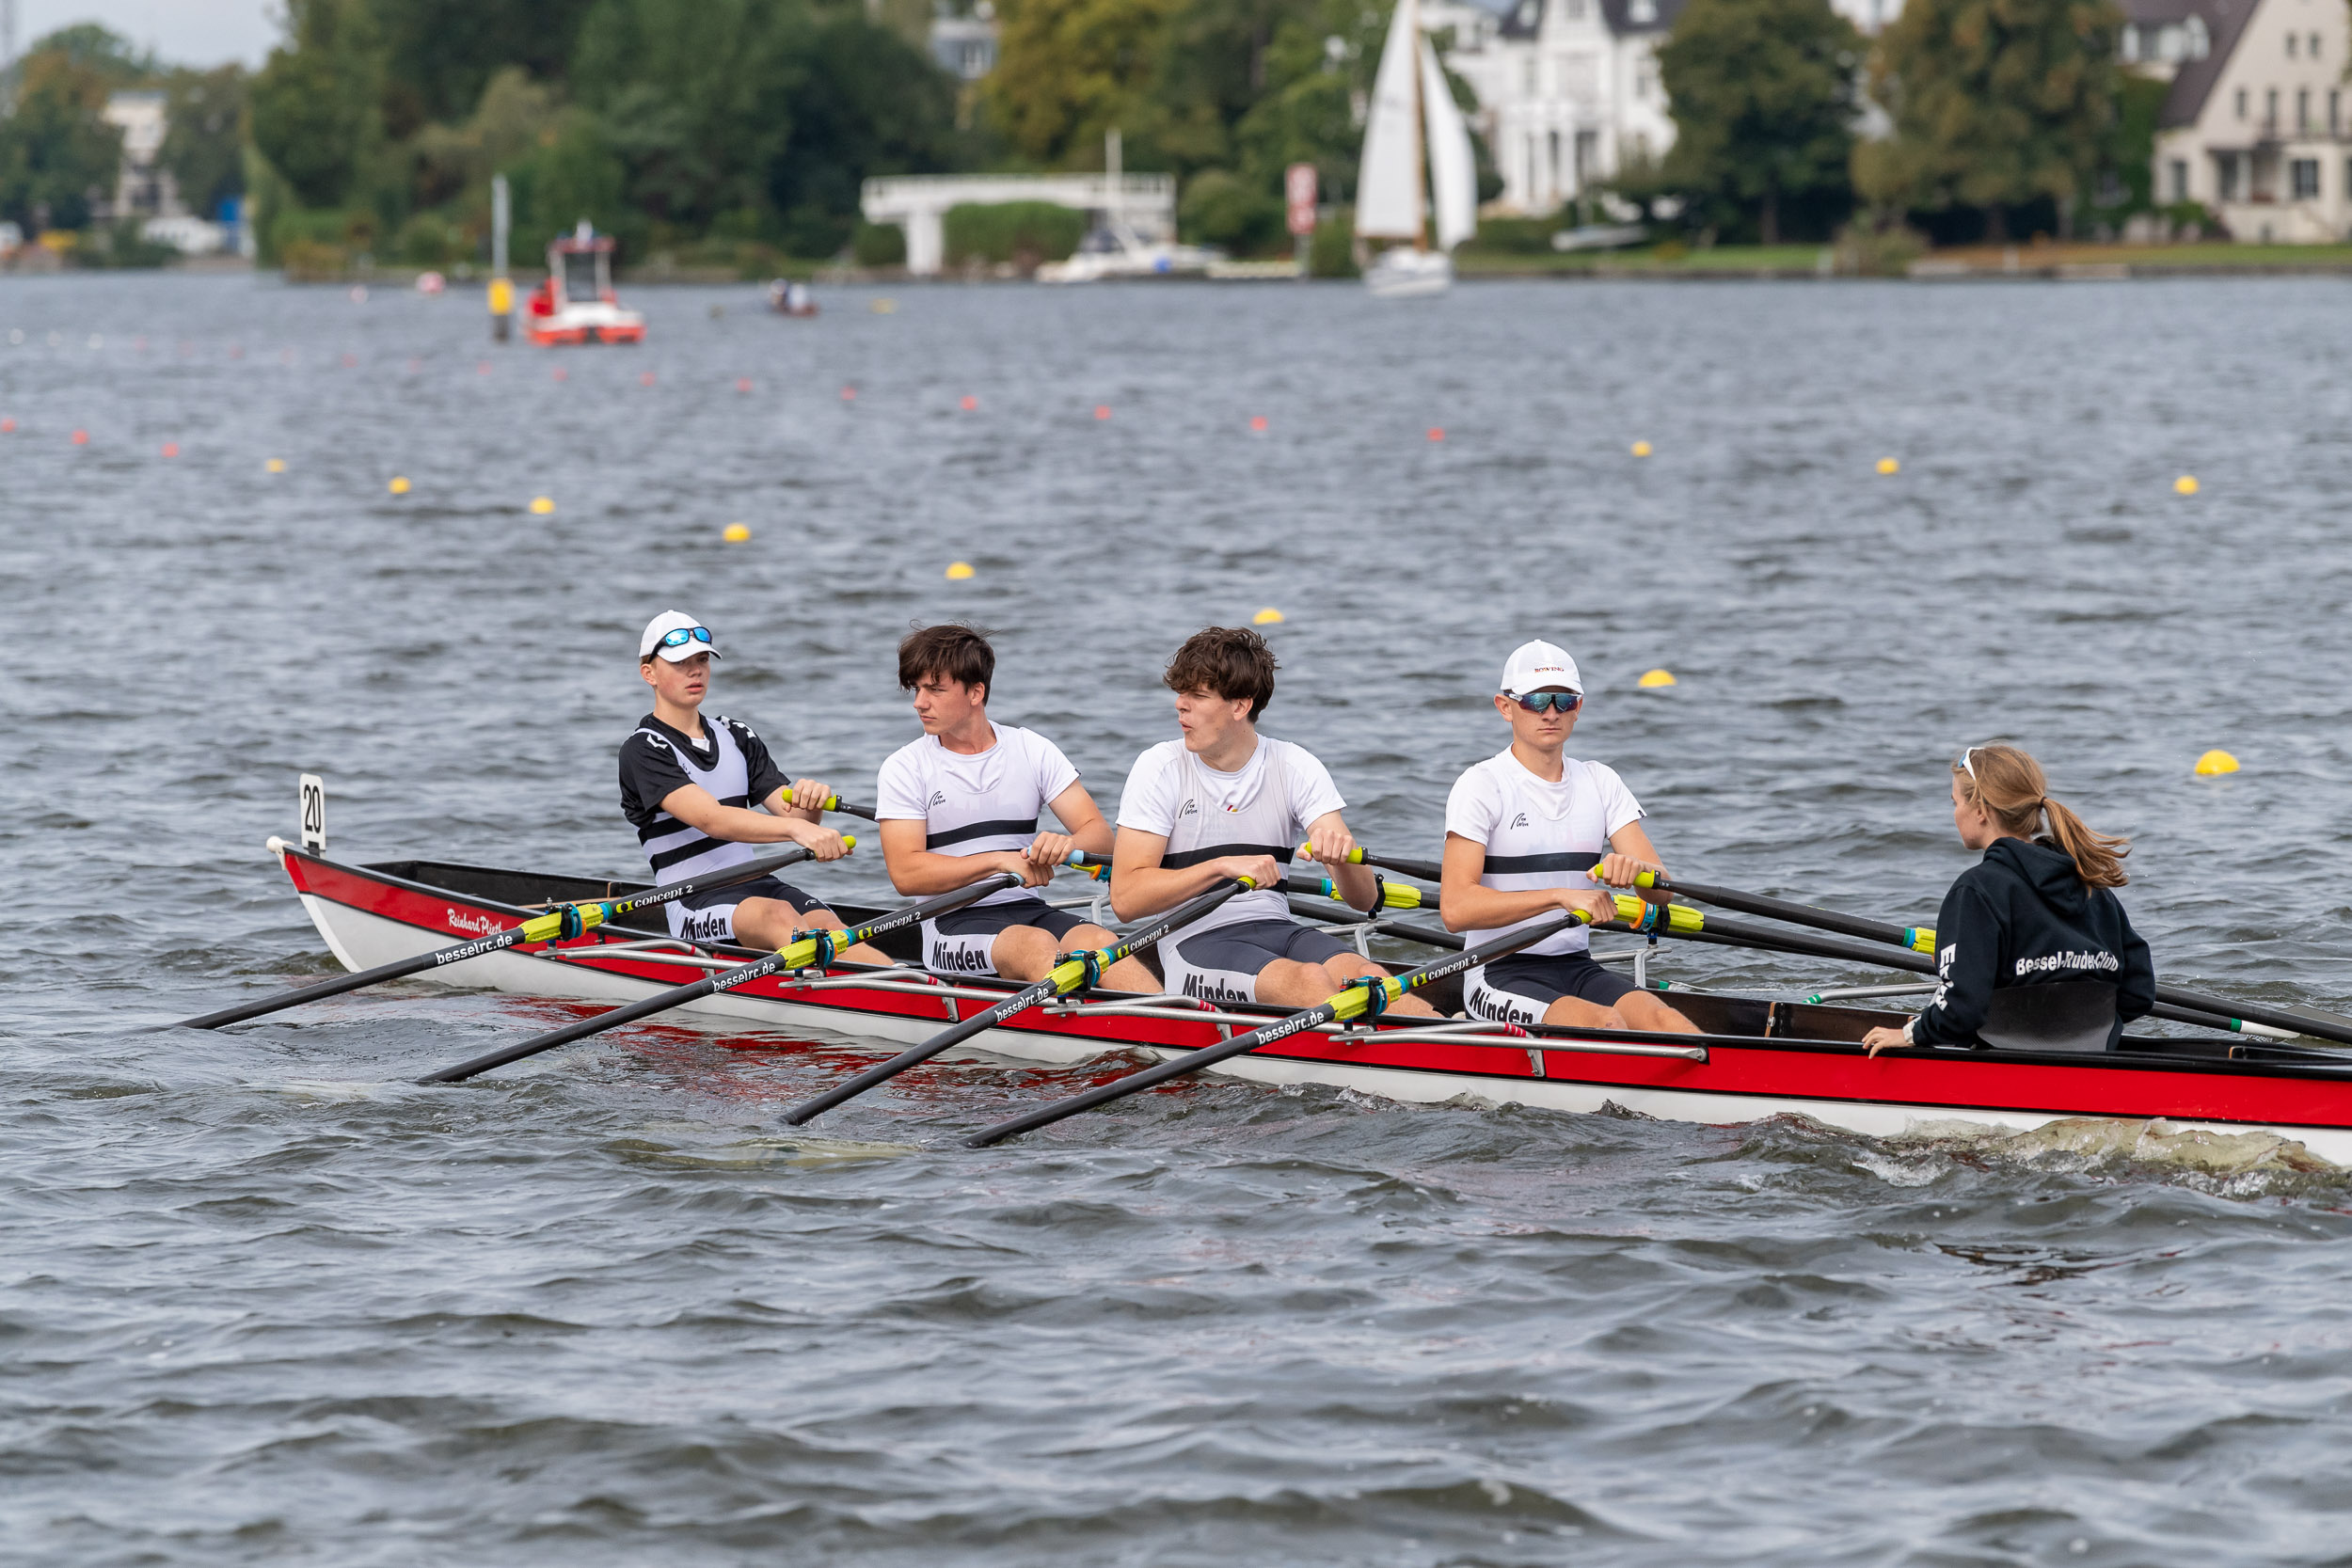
(1263, 808)
(979, 804)
(1537, 833)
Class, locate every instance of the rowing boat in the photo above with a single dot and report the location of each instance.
(1756, 1058)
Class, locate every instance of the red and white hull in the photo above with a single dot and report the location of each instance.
(373, 914)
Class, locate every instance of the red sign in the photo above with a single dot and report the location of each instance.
(1298, 185)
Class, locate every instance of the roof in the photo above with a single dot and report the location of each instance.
(1525, 19)
(2193, 83)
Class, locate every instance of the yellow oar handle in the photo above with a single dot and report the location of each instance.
(1393, 896)
(1919, 938)
(1355, 856)
(549, 927)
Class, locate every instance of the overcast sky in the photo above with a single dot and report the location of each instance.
(184, 32)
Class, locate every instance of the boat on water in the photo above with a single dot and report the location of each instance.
(1113, 248)
(1416, 165)
(789, 298)
(1756, 1058)
(575, 304)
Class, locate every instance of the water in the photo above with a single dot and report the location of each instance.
(263, 1301)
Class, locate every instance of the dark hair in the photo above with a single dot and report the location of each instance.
(959, 652)
(2010, 786)
(1231, 661)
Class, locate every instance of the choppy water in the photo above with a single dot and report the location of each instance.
(263, 1301)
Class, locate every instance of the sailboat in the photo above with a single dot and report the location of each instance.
(1417, 160)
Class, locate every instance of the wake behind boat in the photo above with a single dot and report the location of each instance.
(1754, 1057)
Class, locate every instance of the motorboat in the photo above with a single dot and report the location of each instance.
(575, 304)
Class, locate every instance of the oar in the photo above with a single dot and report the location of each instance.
(1075, 972)
(1428, 871)
(834, 803)
(2220, 1011)
(569, 921)
(812, 950)
(1354, 1002)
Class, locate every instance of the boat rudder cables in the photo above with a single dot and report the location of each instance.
(1075, 972)
(810, 950)
(1356, 1002)
(2175, 1004)
(557, 924)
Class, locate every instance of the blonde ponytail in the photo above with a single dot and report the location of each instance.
(2010, 786)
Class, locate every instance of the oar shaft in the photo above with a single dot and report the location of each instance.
(1349, 1003)
(496, 941)
(694, 990)
(1428, 871)
(1914, 938)
(1020, 1001)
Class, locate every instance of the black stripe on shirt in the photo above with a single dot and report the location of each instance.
(1520, 866)
(980, 829)
(1183, 858)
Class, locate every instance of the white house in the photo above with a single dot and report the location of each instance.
(2255, 125)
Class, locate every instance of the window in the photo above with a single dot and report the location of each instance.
(2195, 41)
(1555, 162)
(2270, 108)
(2180, 179)
(2302, 108)
(2310, 46)
(2225, 170)
(2335, 111)
(1528, 70)
(1641, 12)
(2292, 41)
(2241, 102)
(2347, 179)
(2304, 175)
(2131, 42)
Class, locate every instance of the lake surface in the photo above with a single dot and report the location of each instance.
(262, 1300)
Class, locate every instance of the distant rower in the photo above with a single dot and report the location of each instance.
(2033, 948)
(687, 786)
(962, 804)
(1524, 830)
(1224, 802)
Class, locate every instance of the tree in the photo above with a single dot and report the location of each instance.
(317, 104)
(1069, 70)
(204, 135)
(98, 49)
(57, 153)
(1994, 104)
(1763, 97)
(440, 55)
(869, 104)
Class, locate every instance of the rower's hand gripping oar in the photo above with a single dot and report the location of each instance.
(811, 950)
(1369, 995)
(1428, 871)
(1075, 972)
(555, 926)
(2173, 1002)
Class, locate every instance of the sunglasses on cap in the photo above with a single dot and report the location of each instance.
(1561, 702)
(684, 634)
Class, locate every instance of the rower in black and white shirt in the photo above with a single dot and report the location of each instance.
(1226, 802)
(1525, 832)
(962, 803)
(687, 786)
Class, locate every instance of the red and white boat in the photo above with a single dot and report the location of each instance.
(575, 304)
(1758, 1058)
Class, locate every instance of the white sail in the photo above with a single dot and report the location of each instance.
(1452, 170)
(1388, 178)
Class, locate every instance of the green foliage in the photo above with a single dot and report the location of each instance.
(99, 49)
(1994, 104)
(1220, 208)
(2127, 161)
(1025, 232)
(1332, 251)
(121, 245)
(55, 152)
(574, 174)
(1522, 236)
(440, 55)
(430, 240)
(879, 245)
(315, 114)
(204, 136)
(868, 103)
(1762, 93)
(1068, 71)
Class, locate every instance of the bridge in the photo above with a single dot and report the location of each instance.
(1144, 202)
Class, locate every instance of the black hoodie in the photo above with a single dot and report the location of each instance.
(2021, 917)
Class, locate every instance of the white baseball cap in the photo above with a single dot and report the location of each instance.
(666, 624)
(1539, 667)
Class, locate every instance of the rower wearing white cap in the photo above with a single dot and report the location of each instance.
(1525, 831)
(687, 784)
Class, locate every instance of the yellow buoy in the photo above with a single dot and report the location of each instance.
(2217, 761)
(542, 505)
(275, 465)
(736, 534)
(1640, 449)
(2184, 485)
(958, 570)
(1657, 677)
(398, 486)
(1269, 616)
(1889, 466)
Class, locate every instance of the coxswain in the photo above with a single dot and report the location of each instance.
(687, 786)
(962, 801)
(2033, 950)
(1223, 801)
(1526, 832)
